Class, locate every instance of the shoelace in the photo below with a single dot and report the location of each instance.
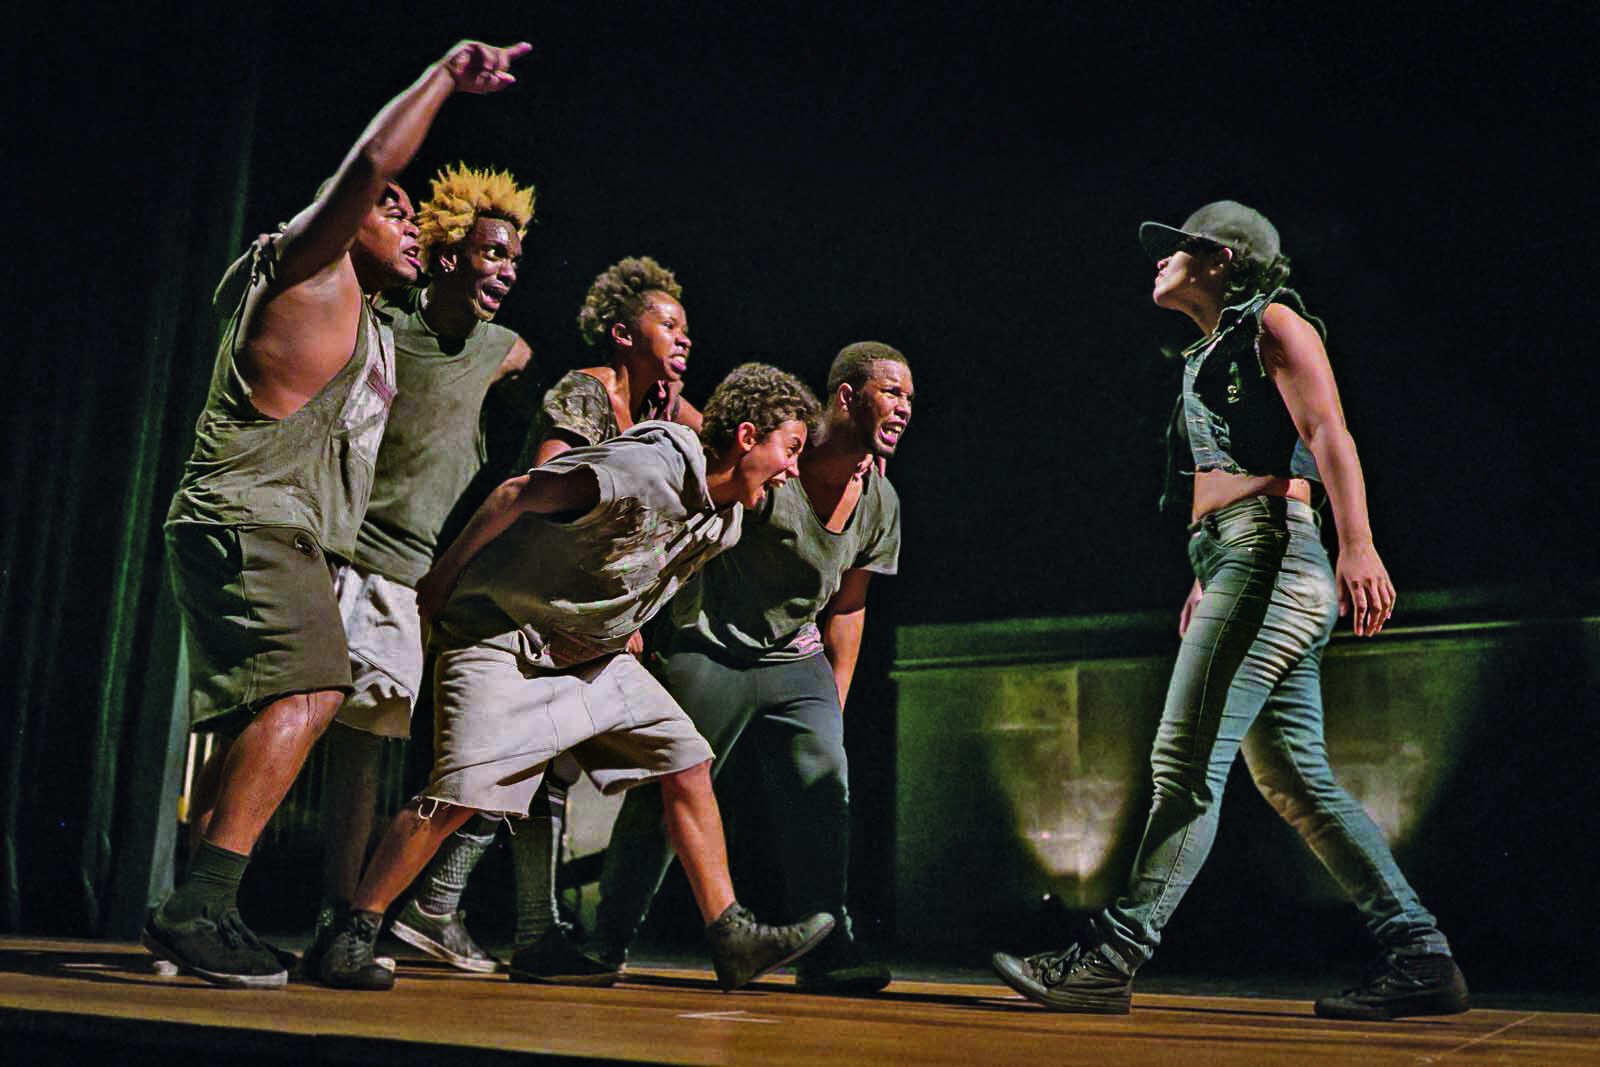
(1054, 967)
(745, 920)
(357, 946)
(1384, 975)
(234, 932)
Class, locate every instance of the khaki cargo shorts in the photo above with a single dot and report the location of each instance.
(384, 633)
(260, 619)
(499, 720)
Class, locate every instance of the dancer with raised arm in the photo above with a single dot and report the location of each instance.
(272, 497)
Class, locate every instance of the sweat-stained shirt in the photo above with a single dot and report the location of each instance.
(601, 576)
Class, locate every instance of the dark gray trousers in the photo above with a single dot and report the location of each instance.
(790, 714)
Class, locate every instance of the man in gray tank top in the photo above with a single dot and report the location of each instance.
(532, 608)
(763, 646)
(448, 353)
(273, 495)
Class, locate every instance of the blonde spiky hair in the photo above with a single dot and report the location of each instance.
(461, 196)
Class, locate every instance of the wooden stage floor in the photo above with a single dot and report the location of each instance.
(79, 1002)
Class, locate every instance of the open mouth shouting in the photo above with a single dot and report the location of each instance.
(492, 293)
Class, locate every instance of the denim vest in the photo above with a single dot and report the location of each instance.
(1230, 416)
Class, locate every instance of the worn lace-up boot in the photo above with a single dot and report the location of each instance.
(554, 959)
(348, 962)
(1401, 984)
(1076, 980)
(743, 949)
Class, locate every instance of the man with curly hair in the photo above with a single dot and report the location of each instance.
(448, 354)
(272, 497)
(633, 314)
(532, 608)
(760, 652)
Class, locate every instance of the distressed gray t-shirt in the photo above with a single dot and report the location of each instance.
(598, 578)
(759, 602)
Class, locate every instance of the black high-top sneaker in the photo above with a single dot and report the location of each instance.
(743, 949)
(1401, 984)
(556, 960)
(1077, 980)
(348, 963)
(837, 967)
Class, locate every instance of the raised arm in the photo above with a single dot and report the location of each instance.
(842, 622)
(539, 492)
(1298, 363)
(320, 234)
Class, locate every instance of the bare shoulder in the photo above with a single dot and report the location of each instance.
(1286, 336)
(296, 338)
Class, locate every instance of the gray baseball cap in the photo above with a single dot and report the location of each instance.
(1225, 222)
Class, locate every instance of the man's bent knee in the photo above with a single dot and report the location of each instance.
(308, 713)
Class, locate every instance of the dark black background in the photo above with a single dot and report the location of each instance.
(965, 182)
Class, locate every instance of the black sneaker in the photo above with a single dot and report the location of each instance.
(1399, 985)
(743, 950)
(1077, 980)
(444, 937)
(836, 968)
(223, 951)
(555, 960)
(285, 957)
(348, 962)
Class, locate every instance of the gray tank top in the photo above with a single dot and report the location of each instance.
(312, 469)
(434, 444)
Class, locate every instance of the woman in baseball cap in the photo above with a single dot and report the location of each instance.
(1258, 428)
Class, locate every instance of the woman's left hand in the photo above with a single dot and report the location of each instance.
(1365, 591)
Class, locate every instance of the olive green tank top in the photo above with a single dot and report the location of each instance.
(434, 444)
(312, 469)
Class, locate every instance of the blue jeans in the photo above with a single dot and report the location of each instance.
(1248, 676)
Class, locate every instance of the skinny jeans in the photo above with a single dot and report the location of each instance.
(1248, 677)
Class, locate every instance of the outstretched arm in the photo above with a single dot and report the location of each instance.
(1295, 358)
(842, 622)
(539, 492)
(319, 235)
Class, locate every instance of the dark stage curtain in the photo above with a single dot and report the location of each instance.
(142, 116)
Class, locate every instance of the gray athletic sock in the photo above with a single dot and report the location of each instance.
(533, 860)
(446, 877)
(212, 885)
